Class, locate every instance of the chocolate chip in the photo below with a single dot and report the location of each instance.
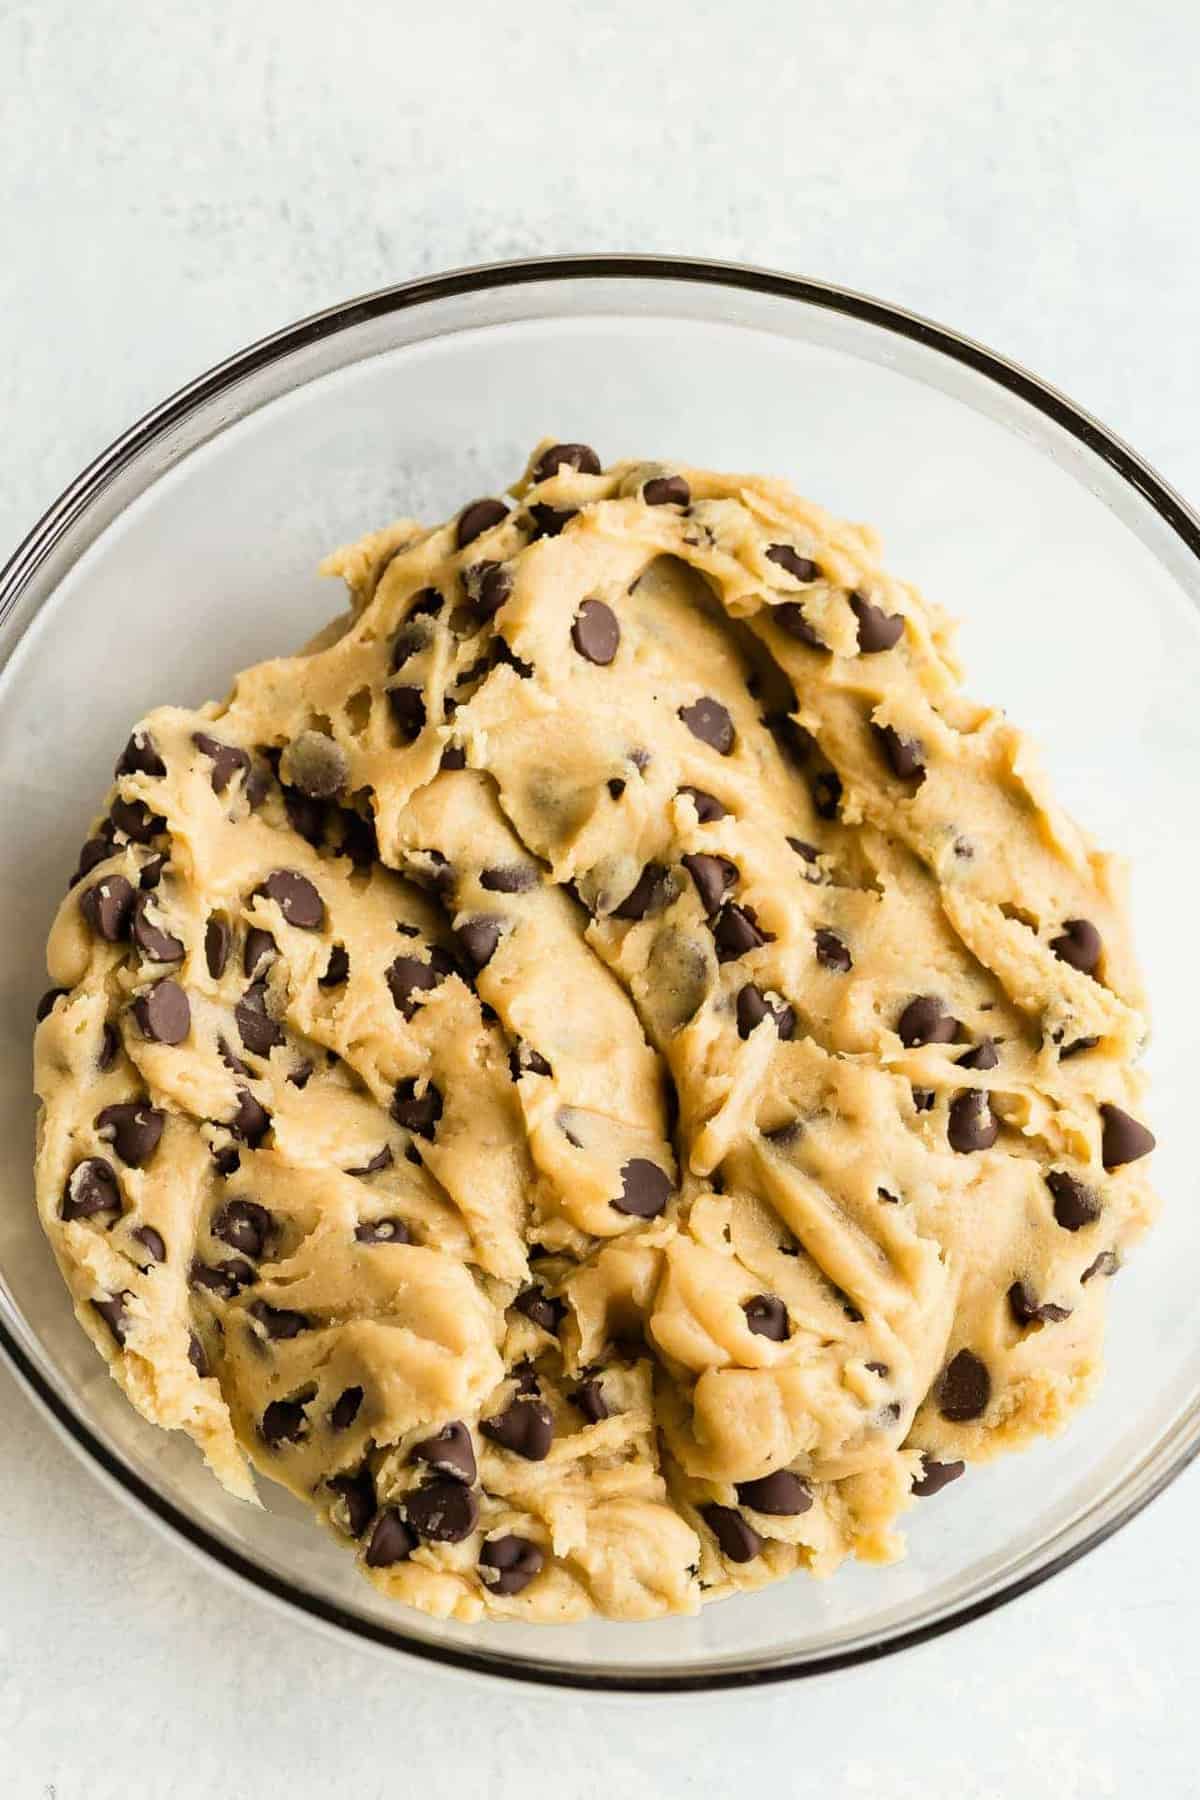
(1077, 1047)
(112, 1311)
(135, 820)
(935, 1476)
(645, 1189)
(1080, 944)
(46, 1004)
(781, 1494)
(964, 1388)
(736, 932)
(1075, 1205)
(150, 873)
(767, 1316)
(380, 1231)
(408, 976)
(140, 757)
(306, 817)
(984, 1056)
(152, 1242)
(296, 898)
(826, 791)
(525, 1060)
(279, 1322)
(107, 907)
(616, 787)
(226, 1160)
(1105, 1264)
(453, 757)
(316, 765)
(163, 1013)
(971, 1124)
(443, 1512)
(802, 567)
(218, 940)
(508, 1564)
(477, 940)
(589, 1398)
(284, 1423)
(738, 1540)
(133, 1128)
(923, 1099)
(449, 1451)
(197, 1356)
(426, 603)
(905, 755)
(225, 1279)
(258, 1031)
(926, 1021)
(806, 852)
(359, 841)
(251, 1120)
(649, 894)
(790, 618)
(391, 1541)
(502, 652)
(831, 952)
(709, 721)
(337, 969)
(540, 1309)
(418, 1112)
(666, 490)
(550, 521)
(512, 878)
(301, 1074)
(708, 807)
(344, 1410)
(110, 1043)
(713, 875)
(226, 759)
(1123, 1140)
(244, 1225)
(155, 944)
(477, 518)
(96, 850)
(566, 456)
(752, 1008)
(357, 1494)
(595, 633)
(92, 1188)
(877, 630)
(408, 712)
(526, 1428)
(1024, 1307)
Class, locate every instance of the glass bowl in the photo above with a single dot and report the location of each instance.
(189, 549)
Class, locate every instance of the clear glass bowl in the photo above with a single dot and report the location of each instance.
(189, 548)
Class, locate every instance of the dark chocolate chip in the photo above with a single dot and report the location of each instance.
(251, 1121)
(380, 1231)
(443, 1512)
(449, 1452)
(477, 518)
(135, 820)
(301, 1074)
(1080, 945)
(107, 906)
(666, 490)
(150, 873)
(508, 1564)
(226, 1161)
(391, 1541)
(525, 1060)
(1075, 1204)
(258, 1031)
(926, 1021)
(197, 1356)
(152, 1242)
(359, 841)
(826, 791)
(1077, 1047)
(589, 1398)
(477, 940)
(649, 894)
(526, 1428)
(753, 1007)
(306, 817)
(737, 1540)
(540, 1309)
(831, 952)
(46, 1004)
(767, 1316)
(595, 633)
(408, 712)
(112, 1311)
(713, 875)
(337, 969)
(259, 952)
(550, 521)
(877, 630)
(645, 1189)
(218, 940)
(709, 721)
(344, 1410)
(736, 932)
(284, 1423)
(971, 1123)
(806, 852)
(225, 1279)
(790, 617)
(140, 757)
(905, 755)
(964, 1388)
(244, 1225)
(426, 603)
(453, 757)
(92, 1188)
(279, 1322)
(924, 1099)
(133, 1128)
(708, 807)
(616, 787)
(155, 944)
(984, 1056)
(296, 898)
(801, 567)
(1123, 1139)
(163, 1013)
(1024, 1307)
(418, 1112)
(110, 1043)
(96, 850)
(1105, 1264)
(781, 1494)
(511, 878)
(566, 456)
(357, 1494)
(226, 759)
(407, 977)
(935, 1476)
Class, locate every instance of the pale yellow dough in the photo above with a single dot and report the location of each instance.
(814, 1170)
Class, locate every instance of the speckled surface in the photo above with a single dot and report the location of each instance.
(178, 179)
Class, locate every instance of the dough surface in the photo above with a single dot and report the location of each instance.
(607, 1074)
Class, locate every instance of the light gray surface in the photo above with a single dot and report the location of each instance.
(177, 179)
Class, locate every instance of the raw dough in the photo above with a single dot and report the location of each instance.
(623, 1074)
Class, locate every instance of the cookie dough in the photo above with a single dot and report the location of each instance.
(607, 1075)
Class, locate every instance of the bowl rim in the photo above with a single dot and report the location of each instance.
(72, 505)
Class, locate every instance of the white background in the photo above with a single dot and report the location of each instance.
(180, 176)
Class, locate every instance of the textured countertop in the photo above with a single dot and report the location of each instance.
(177, 179)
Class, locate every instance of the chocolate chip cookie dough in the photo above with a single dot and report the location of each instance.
(607, 1075)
